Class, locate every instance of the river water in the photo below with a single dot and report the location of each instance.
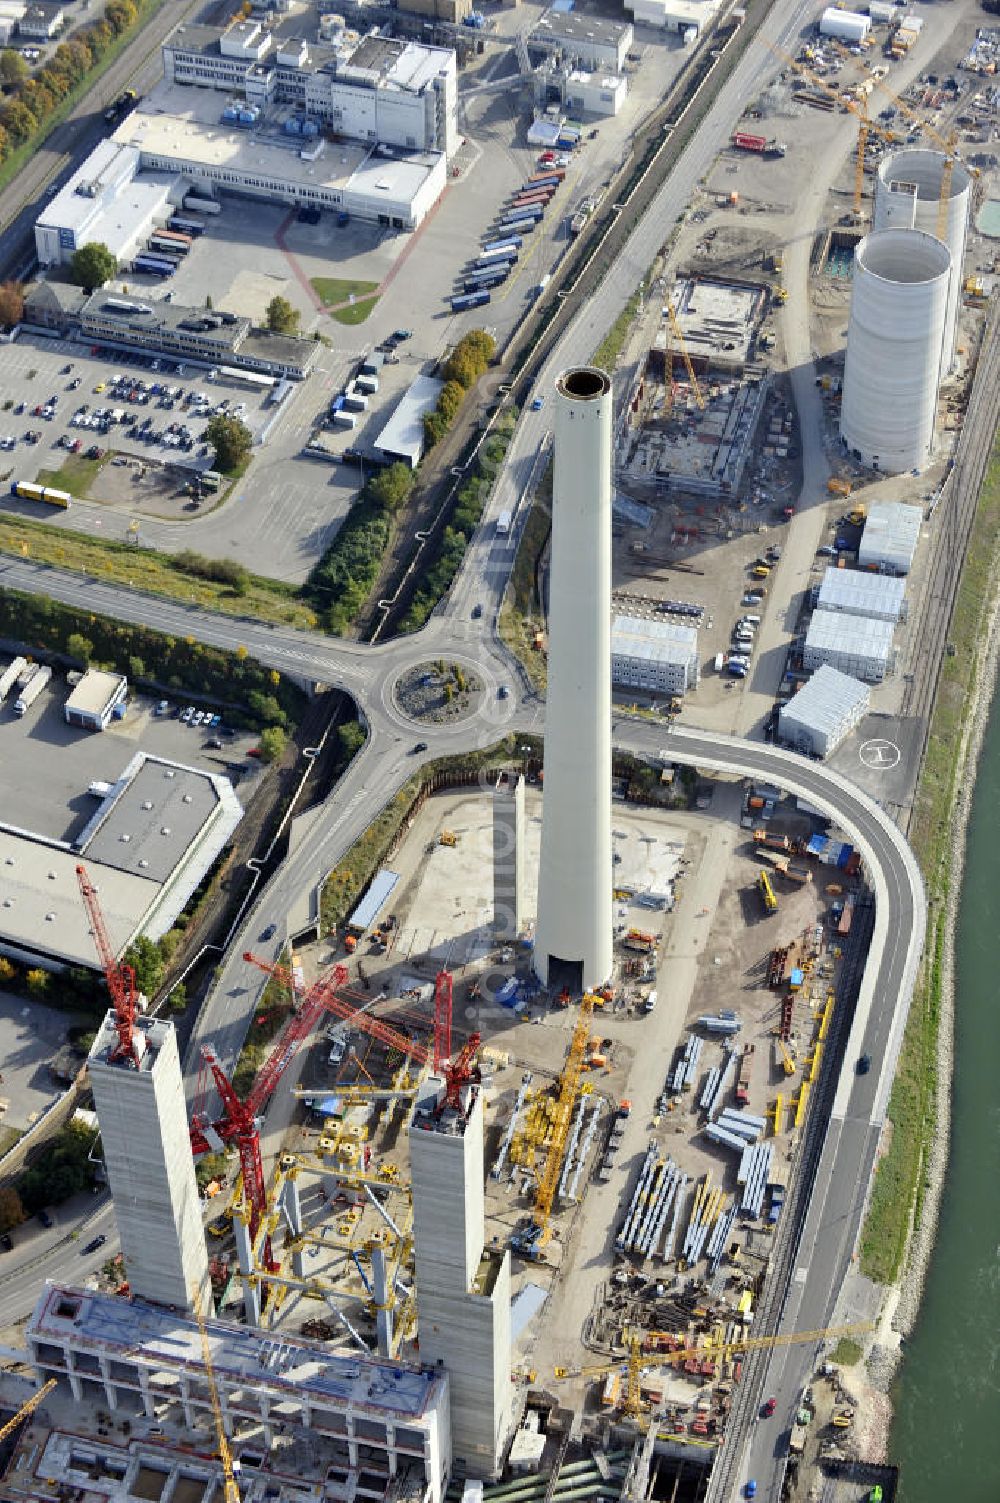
(946, 1435)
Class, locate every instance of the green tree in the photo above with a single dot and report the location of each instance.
(272, 743)
(12, 66)
(92, 265)
(351, 738)
(18, 121)
(11, 304)
(391, 487)
(38, 982)
(80, 647)
(144, 956)
(231, 439)
(282, 318)
(136, 667)
(61, 1169)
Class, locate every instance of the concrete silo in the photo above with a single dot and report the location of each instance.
(908, 196)
(573, 940)
(895, 348)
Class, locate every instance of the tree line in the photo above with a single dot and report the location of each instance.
(31, 100)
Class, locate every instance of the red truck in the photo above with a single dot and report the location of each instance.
(745, 140)
(746, 1071)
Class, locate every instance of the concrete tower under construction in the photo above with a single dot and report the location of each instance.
(573, 939)
(147, 1152)
(463, 1287)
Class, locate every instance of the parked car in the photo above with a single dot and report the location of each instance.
(7, 1242)
(268, 933)
(864, 1064)
(421, 746)
(44, 1217)
(94, 1244)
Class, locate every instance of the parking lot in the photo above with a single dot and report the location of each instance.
(48, 765)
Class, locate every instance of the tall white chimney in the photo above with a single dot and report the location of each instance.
(573, 941)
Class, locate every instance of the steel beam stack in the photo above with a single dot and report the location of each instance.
(721, 1022)
(719, 1081)
(724, 1136)
(687, 1066)
(508, 1136)
(743, 1124)
(624, 1239)
(675, 1220)
(652, 1222)
(719, 1240)
(707, 1203)
(753, 1173)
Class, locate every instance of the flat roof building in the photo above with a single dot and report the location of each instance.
(684, 16)
(823, 712)
(388, 1421)
(150, 843)
(94, 700)
(661, 656)
(402, 437)
(593, 42)
(104, 201)
(856, 593)
(180, 130)
(860, 646)
(890, 537)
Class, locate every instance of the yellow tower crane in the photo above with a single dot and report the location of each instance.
(636, 1364)
(568, 1086)
(230, 1487)
(679, 338)
(28, 1407)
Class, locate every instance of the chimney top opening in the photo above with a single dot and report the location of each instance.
(584, 384)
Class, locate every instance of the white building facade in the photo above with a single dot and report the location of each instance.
(859, 646)
(854, 592)
(824, 712)
(658, 656)
(890, 537)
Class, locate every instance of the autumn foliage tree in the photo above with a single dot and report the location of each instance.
(11, 304)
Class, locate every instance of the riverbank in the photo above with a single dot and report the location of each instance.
(943, 864)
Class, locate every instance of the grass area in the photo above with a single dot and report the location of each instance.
(334, 290)
(607, 352)
(8, 1137)
(846, 1353)
(158, 573)
(76, 474)
(15, 164)
(897, 1196)
(356, 313)
(521, 616)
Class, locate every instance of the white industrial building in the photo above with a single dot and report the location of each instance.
(689, 18)
(846, 25)
(105, 201)
(890, 537)
(402, 438)
(591, 42)
(824, 712)
(573, 933)
(908, 196)
(895, 348)
(153, 838)
(582, 93)
(386, 1423)
(178, 130)
(859, 646)
(142, 1115)
(95, 699)
(857, 593)
(463, 1286)
(377, 89)
(660, 656)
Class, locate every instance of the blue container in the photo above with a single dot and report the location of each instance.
(310, 128)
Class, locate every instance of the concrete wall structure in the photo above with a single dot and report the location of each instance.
(386, 1422)
(895, 348)
(142, 1115)
(463, 1287)
(908, 196)
(509, 892)
(573, 939)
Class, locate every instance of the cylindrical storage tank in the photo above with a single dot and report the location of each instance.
(908, 195)
(573, 940)
(895, 345)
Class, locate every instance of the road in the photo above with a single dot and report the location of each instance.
(388, 759)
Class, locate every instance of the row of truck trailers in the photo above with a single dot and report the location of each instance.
(166, 248)
(499, 254)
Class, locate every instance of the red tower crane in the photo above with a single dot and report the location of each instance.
(119, 977)
(457, 1072)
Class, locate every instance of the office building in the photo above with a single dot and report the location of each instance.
(658, 656)
(859, 646)
(823, 712)
(95, 699)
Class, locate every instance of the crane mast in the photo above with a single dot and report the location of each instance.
(120, 978)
